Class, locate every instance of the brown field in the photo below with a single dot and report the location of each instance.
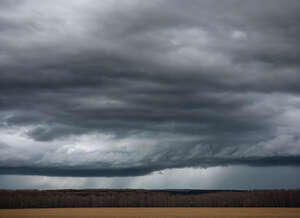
(152, 213)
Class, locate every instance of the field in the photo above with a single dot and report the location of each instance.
(152, 213)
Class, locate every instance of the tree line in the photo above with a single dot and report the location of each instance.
(147, 198)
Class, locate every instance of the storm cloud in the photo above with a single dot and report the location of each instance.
(110, 88)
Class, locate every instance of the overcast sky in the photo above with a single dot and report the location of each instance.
(149, 94)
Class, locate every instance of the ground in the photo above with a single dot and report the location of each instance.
(152, 213)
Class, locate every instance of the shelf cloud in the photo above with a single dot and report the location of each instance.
(127, 88)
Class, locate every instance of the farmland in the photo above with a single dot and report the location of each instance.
(152, 212)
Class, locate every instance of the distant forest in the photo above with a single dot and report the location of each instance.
(148, 198)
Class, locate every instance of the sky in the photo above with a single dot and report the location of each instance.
(199, 94)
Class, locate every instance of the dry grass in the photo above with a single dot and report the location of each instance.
(152, 213)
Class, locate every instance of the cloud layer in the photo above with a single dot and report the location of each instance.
(110, 88)
(184, 178)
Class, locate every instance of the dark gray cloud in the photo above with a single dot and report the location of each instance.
(212, 178)
(94, 88)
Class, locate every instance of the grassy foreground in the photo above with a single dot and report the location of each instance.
(152, 213)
